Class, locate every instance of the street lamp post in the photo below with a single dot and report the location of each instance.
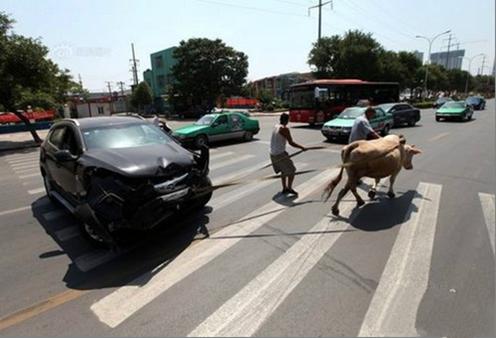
(469, 66)
(430, 40)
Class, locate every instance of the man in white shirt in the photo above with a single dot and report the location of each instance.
(281, 162)
(362, 130)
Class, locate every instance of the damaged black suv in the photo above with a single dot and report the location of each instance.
(118, 173)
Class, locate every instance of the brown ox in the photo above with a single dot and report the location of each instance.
(375, 159)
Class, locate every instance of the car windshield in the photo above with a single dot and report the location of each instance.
(386, 107)
(351, 113)
(124, 136)
(205, 120)
(443, 99)
(454, 105)
(472, 100)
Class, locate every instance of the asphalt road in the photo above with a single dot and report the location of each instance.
(420, 264)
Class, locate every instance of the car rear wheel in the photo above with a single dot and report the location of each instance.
(248, 136)
(412, 123)
(201, 140)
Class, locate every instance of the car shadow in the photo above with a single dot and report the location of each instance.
(307, 126)
(142, 254)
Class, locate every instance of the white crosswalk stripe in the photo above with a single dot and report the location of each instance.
(121, 304)
(393, 309)
(221, 155)
(30, 175)
(231, 161)
(67, 233)
(487, 204)
(36, 191)
(243, 314)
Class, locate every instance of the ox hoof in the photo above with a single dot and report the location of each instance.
(372, 194)
(391, 195)
(335, 211)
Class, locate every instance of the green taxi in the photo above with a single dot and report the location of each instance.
(458, 110)
(340, 127)
(218, 127)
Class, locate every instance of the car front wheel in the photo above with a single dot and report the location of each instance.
(385, 131)
(201, 140)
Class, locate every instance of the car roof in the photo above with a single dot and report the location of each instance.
(92, 122)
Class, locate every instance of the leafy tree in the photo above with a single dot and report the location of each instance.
(410, 64)
(205, 70)
(265, 98)
(355, 55)
(28, 77)
(142, 96)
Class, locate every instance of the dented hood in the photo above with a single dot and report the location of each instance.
(150, 160)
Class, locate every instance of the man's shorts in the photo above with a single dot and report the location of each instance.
(282, 164)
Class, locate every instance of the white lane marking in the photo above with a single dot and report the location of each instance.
(263, 142)
(230, 161)
(487, 204)
(67, 233)
(125, 301)
(237, 194)
(25, 166)
(93, 259)
(12, 211)
(24, 161)
(394, 306)
(34, 182)
(27, 170)
(51, 215)
(21, 156)
(438, 137)
(244, 313)
(36, 191)
(221, 155)
(30, 175)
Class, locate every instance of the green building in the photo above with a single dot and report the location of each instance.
(160, 78)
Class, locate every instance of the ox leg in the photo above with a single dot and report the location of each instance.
(353, 188)
(373, 191)
(342, 192)
(390, 193)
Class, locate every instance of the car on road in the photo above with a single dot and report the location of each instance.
(455, 110)
(120, 173)
(440, 101)
(340, 127)
(218, 127)
(403, 113)
(477, 102)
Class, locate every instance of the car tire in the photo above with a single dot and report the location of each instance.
(92, 237)
(412, 123)
(202, 200)
(248, 136)
(48, 188)
(438, 118)
(200, 141)
(385, 130)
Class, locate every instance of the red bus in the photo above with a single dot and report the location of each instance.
(318, 101)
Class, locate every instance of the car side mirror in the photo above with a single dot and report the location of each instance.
(64, 156)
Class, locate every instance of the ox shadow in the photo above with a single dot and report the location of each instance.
(141, 254)
(383, 213)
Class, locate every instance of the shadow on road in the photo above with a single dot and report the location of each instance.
(145, 254)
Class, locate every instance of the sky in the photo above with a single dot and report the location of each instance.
(93, 38)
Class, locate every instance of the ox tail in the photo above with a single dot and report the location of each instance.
(332, 185)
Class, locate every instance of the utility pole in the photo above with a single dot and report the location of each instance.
(483, 63)
(121, 85)
(109, 86)
(134, 68)
(320, 5)
(80, 81)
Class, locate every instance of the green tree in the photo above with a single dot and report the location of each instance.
(142, 96)
(410, 64)
(27, 76)
(266, 99)
(355, 55)
(205, 70)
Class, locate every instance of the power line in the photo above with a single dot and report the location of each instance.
(250, 8)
